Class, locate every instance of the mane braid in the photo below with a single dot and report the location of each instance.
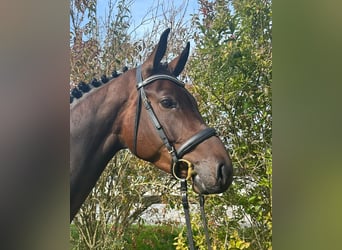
(82, 87)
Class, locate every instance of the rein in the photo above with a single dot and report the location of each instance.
(176, 155)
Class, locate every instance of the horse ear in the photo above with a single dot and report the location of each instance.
(176, 66)
(157, 54)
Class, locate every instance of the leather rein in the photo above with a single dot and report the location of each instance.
(176, 155)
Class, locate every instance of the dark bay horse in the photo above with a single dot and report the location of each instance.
(168, 132)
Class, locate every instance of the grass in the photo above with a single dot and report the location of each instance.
(151, 237)
(142, 237)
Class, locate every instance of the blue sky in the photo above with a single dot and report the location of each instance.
(140, 8)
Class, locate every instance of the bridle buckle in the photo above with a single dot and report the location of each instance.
(172, 150)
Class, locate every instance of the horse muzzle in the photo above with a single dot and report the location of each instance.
(204, 182)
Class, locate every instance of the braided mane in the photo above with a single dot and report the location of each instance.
(82, 87)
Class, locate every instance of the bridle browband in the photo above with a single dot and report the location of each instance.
(176, 155)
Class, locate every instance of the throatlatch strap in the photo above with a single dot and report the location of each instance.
(137, 116)
(143, 98)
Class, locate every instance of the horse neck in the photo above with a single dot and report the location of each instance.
(95, 134)
(96, 122)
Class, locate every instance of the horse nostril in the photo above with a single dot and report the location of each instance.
(222, 174)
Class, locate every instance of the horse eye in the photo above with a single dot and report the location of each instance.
(168, 103)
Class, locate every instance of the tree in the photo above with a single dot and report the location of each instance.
(231, 73)
(96, 47)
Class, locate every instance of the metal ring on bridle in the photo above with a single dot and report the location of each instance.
(190, 169)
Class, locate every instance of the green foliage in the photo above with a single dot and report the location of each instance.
(231, 74)
(98, 48)
(236, 243)
(121, 195)
(159, 237)
(139, 237)
(180, 241)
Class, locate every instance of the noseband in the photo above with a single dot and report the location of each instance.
(176, 155)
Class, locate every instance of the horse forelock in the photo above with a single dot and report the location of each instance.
(162, 68)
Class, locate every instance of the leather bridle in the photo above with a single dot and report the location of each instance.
(176, 155)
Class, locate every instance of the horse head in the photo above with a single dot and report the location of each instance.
(172, 112)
